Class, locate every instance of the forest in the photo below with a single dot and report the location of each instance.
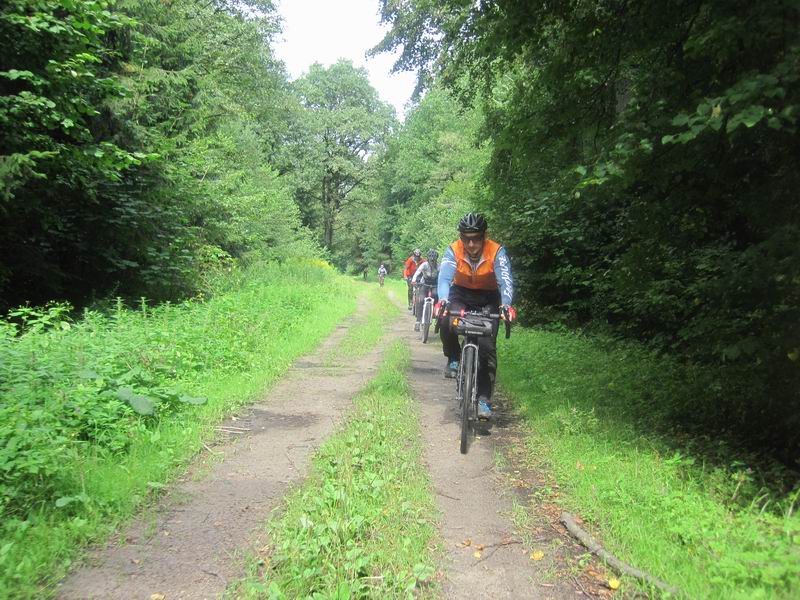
(639, 161)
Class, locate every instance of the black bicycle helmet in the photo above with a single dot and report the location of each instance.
(433, 255)
(472, 223)
(417, 253)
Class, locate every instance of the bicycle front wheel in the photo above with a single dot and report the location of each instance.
(467, 395)
(426, 321)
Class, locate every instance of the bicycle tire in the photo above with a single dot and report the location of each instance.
(467, 389)
(426, 321)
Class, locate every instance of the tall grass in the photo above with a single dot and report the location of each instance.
(76, 457)
(689, 510)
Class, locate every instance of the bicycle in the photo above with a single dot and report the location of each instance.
(414, 299)
(427, 313)
(380, 279)
(471, 325)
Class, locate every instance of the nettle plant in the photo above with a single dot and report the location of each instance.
(66, 387)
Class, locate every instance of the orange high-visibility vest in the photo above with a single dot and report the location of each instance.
(481, 277)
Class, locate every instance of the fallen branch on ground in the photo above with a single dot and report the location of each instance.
(212, 451)
(595, 548)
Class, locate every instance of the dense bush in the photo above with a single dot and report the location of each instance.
(73, 389)
(137, 142)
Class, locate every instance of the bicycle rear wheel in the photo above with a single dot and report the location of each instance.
(467, 395)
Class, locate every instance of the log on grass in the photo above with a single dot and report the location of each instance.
(595, 548)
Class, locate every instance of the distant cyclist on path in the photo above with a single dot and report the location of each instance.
(475, 273)
(382, 273)
(427, 276)
(410, 267)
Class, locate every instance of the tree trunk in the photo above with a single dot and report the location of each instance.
(328, 212)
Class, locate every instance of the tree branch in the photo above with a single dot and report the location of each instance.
(595, 548)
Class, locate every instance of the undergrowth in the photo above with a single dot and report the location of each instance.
(363, 524)
(96, 414)
(691, 511)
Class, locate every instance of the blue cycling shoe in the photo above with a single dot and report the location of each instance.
(451, 370)
(484, 410)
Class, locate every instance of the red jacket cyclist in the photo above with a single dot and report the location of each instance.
(410, 267)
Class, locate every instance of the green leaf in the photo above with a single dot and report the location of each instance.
(681, 119)
(192, 400)
(141, 404)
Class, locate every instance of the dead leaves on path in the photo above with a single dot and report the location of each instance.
(479, 548)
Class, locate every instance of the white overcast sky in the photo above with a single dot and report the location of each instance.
(324, 31)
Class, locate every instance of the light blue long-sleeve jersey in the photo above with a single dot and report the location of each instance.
(502, 272)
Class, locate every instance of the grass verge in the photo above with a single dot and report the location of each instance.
(702, 521)
(363, 524)
(77, 460)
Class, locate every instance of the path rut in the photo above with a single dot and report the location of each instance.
(191, 549)
(474, 501)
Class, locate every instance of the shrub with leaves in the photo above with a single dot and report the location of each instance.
(72, 389)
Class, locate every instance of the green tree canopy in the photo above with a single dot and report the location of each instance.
(340, 126)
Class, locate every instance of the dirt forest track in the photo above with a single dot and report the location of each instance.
(191, 546)
(473, 497)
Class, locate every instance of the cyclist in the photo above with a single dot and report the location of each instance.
(427, 276)
(382, 273)
(475, 274)
(410, 267)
